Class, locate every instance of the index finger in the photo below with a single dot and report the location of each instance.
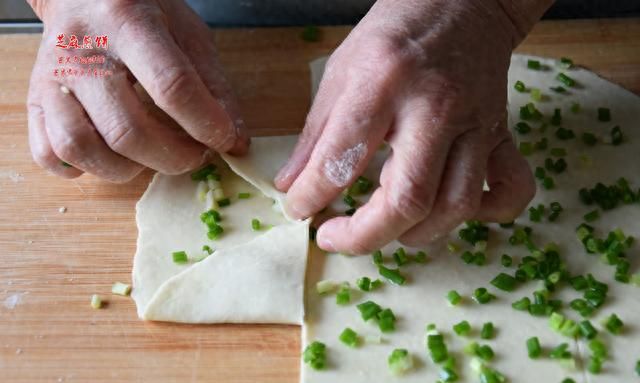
(151, 54)
(408, 185)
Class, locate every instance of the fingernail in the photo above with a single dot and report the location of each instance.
(283, 173)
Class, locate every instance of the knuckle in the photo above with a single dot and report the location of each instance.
(360, 247)
(462, 206)
(71, 148)
(173, 87)
(410, 202)
(117, 133)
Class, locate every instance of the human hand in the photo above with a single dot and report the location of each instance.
(430, 79)
(99, 125)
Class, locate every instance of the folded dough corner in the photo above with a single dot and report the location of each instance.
(251, 277)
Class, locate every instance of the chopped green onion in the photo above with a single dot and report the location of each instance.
(533, 347)
(463, 328)
(482, 295)
(349, 337)
(568, 380)
(566, 62)
(487, 331)
(377, 257)
(120, 288)
(454, 298)
(364, 283)
(315, 355)
(393, 275)
(566, 80)
(504, 282)
(530, 112)
(522, 127)
(448, 375)
(376, 284)
(604, 114)
(475, 231)
(386, 320)
(519, 86)
(244, 195)
(564, 134)
(224, 202)
(400, 361)
(421, 257)
(350, 212)
(485, 352)
(595, 365)
(325, 286)
(343, 297)
(180, 257)
(361, 186)
(65, 164)
(207, 249)
(525, 148)
(638, 367)
(437, 348)
(558, 152)
(536, 94)
(521, 304)
(616, 136)
(210, 217)
(598, 349)
(506, 260)
(556, 118)
(369, 310)
(400, 257)
(452, 247)
(613, 324)
(591, 216)
(534, 64)
(214, 232)
(96, 301)
(587, 330)
(548, 183)
(310, 33)
(560, 352)
(558, 89)
(201, 174)
(347, 199)
(589, 139)
(255, 224)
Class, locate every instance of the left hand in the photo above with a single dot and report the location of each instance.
(430, 78)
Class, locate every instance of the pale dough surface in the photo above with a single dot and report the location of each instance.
(422, 299)
(252, 277)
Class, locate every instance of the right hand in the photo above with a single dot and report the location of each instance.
(101, 126)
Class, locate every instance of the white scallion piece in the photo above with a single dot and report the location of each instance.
(201, 191)
(210, 201)
(218, 195)
(326, 286)
(214, 184)
(120, 288)
(96, 301)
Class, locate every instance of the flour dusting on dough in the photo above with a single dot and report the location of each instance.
(339, 170)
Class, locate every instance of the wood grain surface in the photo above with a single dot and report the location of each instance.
(52, 262)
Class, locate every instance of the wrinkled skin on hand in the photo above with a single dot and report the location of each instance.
(430, 79)
(100, 125)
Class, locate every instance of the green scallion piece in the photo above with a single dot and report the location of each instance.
(343, 297)
(400, 257)
(565, 62)
(522, 304)
(244, 195)
(556, 118)
(482, 296)
(224, 202)
(255, 224)
(349, 201)
(421, 257)
(96, 301)
(558, 152)
(400, 361)
(350, 212)
(604, 114)
(377, 257)
(566, 80)
(393, 275)
(522, 127)
(506, 260)
(504, 282)
(560, 352)
(369, 310)
(487, 331)
(519, 86)
(525, 148)
(376, 284)
(65, 164)
(349, 337)
(587, 330)
(215, 231)
(386, 320)
(613, 324)
(616, 136)
(364, 283)
(120, 288)
(315, 355)
(638, 367)
(462, 328)
(591, 216)
(437, 348)
(548, 183)
(201, 174)
(533, 347)
(589, 139)
(536, 94)
(558, 89)
(207, 249)
(180, 257)
(534, 64)
(454, 298)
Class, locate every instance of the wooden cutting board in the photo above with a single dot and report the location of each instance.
(52, 262)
